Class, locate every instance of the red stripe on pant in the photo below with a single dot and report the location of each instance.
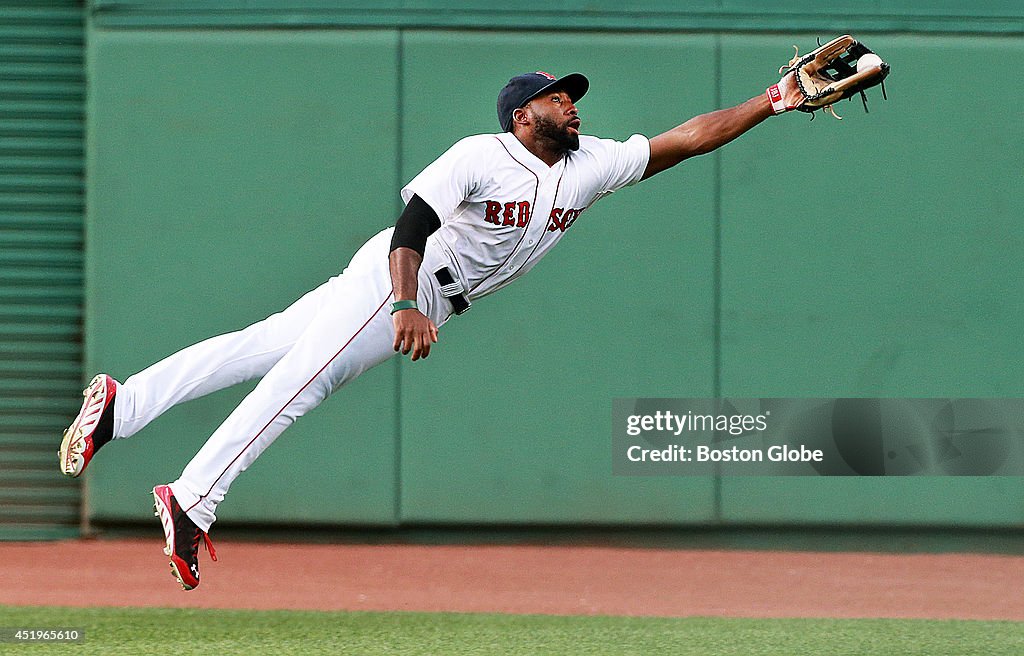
(278, 413)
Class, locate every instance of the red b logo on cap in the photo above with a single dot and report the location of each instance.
(547, 75)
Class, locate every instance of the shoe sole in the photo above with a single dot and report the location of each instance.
(74, 432)
(163, 513)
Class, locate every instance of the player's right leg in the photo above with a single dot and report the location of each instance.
(113, 410)
(91, 429)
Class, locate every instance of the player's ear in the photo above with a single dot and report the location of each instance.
(521, 116)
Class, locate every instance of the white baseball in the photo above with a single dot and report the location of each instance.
(867, 61)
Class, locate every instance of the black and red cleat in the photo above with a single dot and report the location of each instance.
(182, 536)
(91, 429)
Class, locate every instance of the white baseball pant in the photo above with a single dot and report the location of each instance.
(325, 339)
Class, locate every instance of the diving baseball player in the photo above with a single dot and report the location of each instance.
(475, 219)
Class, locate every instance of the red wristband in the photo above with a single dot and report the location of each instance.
(775, 98)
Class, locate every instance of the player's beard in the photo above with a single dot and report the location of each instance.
(559, 135)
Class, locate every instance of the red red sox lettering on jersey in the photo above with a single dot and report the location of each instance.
(517, 214)
(502, 208)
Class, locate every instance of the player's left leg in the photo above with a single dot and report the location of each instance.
(339, 345)
(336, 347)
(351, 334)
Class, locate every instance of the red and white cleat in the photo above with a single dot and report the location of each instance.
(182, 537)
(92, 428)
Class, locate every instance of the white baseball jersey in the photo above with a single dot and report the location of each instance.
(502, 208)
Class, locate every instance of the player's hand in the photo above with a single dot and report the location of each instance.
(789, 96)
(791, 91)
(414, 332)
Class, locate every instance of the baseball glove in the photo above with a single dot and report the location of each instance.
(837, 70)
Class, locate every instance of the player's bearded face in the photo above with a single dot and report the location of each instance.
(557, 132)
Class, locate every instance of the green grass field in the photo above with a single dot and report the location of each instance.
(180, 632)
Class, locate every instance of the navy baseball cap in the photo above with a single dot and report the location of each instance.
(523, 88)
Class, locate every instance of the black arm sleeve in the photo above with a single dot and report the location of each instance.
(417, 222)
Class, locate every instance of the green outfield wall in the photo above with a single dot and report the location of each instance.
(238, 156)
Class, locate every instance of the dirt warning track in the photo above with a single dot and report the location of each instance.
(521, 579)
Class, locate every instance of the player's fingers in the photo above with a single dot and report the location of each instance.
(433, 332)
(400, 333)
(417, 350)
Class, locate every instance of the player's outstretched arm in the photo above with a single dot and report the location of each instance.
(703, 134)
(707, 132)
